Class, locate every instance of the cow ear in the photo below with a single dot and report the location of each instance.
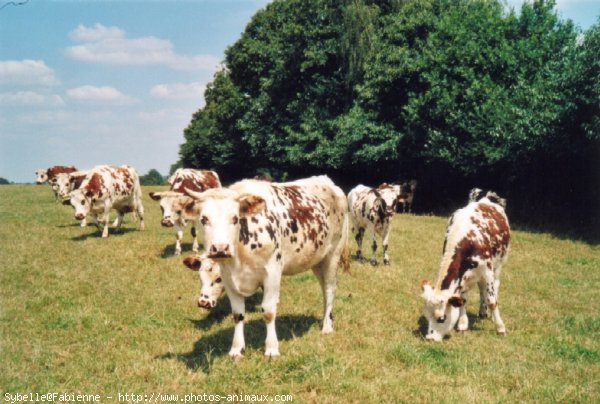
(250, 205)
(192, 263)
(456, 301)
(155, 196)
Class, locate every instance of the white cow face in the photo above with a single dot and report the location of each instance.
(41, 176)
(388, 198)
(81, 203)
(441, 311)
(220, 211)
(171, 205)
(211, 285)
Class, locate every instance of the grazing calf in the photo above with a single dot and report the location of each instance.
(49, 175)
(196, 180)
(105, 188)
(211, 285)
(258, 231)
(475, 248)
(372, 208)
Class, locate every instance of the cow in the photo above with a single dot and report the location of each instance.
(372, 208)
(475, 249)
(258, 231)
(105, 188)
(406, 194)
(196, 180)
(49, 176)
(211, 284)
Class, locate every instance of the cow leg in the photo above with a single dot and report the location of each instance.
(373, 248)
(269, 308)
(326, 274)
(359, 240)
(84, 222)
(118, 221)
(195, 246)
(106, 219)
(463, 319)
(482, 299)
(384, 242)
(492, 286)
(238, 308)
(178, 237)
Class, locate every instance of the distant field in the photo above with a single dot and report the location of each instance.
(81, 314)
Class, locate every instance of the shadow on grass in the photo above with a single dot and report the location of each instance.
(186, 249)
(97, 233)
(213, 346)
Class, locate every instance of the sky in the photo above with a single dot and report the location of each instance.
(89, 82)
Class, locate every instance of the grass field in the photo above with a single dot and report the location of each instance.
(81, 314)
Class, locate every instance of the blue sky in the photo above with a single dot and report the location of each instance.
(86, 82)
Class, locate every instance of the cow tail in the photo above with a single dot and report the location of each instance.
(345, 259)
(345, 254)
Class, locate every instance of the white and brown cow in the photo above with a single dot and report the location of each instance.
(372, 208)
(475, 248)
(105, 188)
(170, 201)
(258, 231)
(211, 282)
(49, 175)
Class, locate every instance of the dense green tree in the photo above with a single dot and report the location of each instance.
(153, 177)
(455, 92)
(4, 181)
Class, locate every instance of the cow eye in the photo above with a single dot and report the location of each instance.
(235, 220)
(204, 220)
(218, 280)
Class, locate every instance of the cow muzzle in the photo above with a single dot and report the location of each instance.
(441, 319)
(217, 251)
(167, 222)
(206, 304)
(80, 216)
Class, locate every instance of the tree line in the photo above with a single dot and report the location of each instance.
(454, 93)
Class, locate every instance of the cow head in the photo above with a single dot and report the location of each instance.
(41, 176)
(63, 185)
(211, 284)
(220, 211)
(441, 311)
(172, 205)
(386, 201)
(83, 202)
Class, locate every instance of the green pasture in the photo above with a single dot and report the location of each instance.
(79, 313)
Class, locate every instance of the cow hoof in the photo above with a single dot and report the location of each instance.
(272, 353)
(386, 262)
(502, 333)
(327, 329)
(374, 262)
(236, 354)
(483, 315)
(177, 252)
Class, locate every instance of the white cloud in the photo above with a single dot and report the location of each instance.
(27, 72)
(110, 45)
(30, 98)
(179, 91)
(104, 95)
